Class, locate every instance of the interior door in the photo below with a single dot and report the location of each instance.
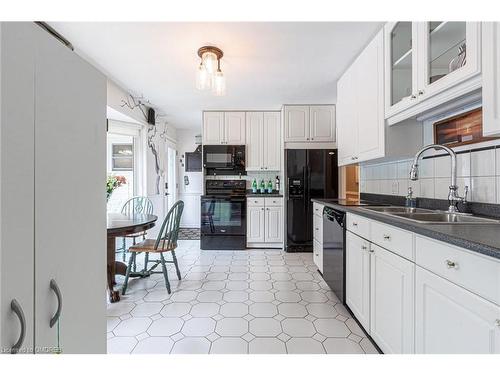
(171, 191)
(70, 204)
(17, 159)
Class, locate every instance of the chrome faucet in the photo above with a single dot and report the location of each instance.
(453, 197)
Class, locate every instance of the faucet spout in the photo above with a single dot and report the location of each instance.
(453, 197)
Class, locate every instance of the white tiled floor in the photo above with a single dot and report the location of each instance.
(251, 301)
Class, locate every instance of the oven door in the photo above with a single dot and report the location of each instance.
(223, 215)
(224, 157)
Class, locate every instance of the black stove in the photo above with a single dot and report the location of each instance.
(223, 215)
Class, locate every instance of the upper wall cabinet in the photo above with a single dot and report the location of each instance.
(428, 64)
(309, 124)
(491, 78)
(361, 132)
(224, 128)
(263, 140)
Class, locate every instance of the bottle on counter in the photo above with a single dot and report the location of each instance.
(270, 187)
(254, 186)
(262, 187)
(277, 184)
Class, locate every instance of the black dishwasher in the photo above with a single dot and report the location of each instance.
(334, 251)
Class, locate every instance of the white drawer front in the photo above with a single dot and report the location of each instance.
(318, 255)
(318, 228)
(358, 225)
(273, 202)
(318, 209)
(396, 240)
(474, 272)
(255, 201)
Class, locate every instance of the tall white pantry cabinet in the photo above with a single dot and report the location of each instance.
(52, 202)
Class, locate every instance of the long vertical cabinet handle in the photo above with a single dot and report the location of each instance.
(18, 310)
(57, 291)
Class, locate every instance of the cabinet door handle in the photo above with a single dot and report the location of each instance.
(57, 291)
(371, 250)
(420, 92)
(354, 224)
(387, 237)
(413, 97)
(363, 247)
(451, 264)
(497, 322)
(18, 310)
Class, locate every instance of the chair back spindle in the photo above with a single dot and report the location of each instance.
(169, 231)
(138, 205)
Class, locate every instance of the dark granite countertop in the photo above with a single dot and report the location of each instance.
(274, 194)
(480, 238)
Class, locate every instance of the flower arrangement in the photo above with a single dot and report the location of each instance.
(113, 183)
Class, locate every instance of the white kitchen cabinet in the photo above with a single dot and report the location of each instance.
(450, 319)
(347, 118)
(41, 219)
(272, 141)
(265, 222)
(255, 224)
(296, 123)
(17, 155)
(491, 78)
(263, 141)
(322, 123)
(213, 128)
(234, 128)
(360, 107)
(318, 254)
(392, 301)
(309, 124)
(424, 66)
(60, 75)
(358, 278)
(274, 224)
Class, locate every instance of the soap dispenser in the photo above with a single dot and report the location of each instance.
(410, 201)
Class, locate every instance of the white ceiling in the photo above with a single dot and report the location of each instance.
(265, 64)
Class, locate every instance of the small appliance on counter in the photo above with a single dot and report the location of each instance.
(223, 215)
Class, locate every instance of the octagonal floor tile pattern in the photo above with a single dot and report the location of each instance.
(258, 301)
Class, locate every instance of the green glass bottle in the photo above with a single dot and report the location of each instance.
(254, 186)
(270, 187)
(262, 186)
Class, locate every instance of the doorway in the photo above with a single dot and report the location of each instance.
(350, 182)
(171, 183)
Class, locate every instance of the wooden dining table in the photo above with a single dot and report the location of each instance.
(120, 225)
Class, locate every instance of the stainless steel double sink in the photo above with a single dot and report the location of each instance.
(425, 216)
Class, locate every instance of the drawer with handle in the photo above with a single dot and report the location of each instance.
(318, 228)
(318, 209)
(273, 202)
(251, 201)
(358, 225)
(394, 239)
(475, 272)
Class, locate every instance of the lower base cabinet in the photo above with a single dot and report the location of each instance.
(450, 319)
(391, 301)
(264, 222)
(358, 278)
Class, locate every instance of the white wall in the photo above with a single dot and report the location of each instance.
(191, 193)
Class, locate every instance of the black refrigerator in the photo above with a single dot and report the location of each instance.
(309, 174)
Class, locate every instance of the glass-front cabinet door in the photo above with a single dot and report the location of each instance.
(400, 65)
(449, 54)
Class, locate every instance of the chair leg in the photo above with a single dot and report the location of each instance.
(135, 265)
(165, 274)
(124, 249)
(176, 264)
(125, 284)
(146, 261)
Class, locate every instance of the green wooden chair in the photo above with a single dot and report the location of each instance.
(137, 205)
(165, 242)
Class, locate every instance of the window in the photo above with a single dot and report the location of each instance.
(122, 157)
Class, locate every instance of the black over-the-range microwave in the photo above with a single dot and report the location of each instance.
(224, 158)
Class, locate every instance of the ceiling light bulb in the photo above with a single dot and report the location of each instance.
(219, 84)
(210, 62)
(202, 78)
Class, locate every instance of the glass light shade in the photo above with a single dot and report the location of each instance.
(203, 80)
(209, 60)
(219, 84)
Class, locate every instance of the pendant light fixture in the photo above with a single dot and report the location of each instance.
(209, 74)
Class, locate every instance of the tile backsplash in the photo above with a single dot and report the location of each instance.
(478, 169)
